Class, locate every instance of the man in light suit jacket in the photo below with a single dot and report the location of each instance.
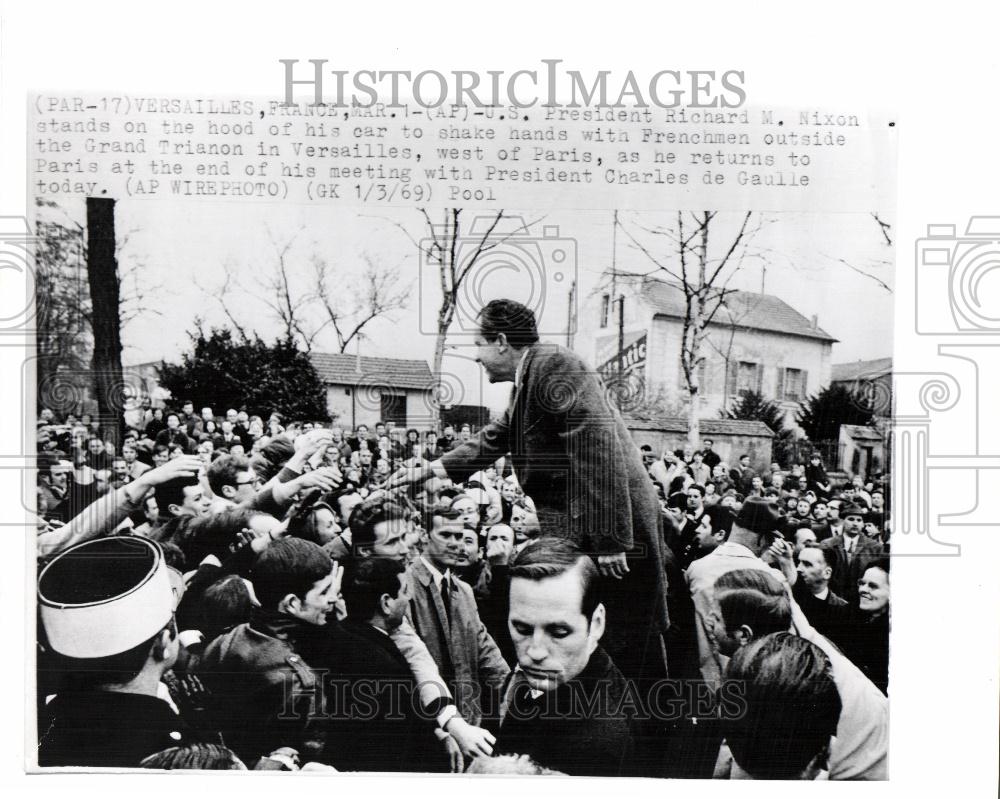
(574, 457)
(443, 612)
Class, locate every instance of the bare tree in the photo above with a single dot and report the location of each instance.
(62, 298)
(289, 307)
(873, 265)
(224, 291)
(377, 294)
(702, 277)
(305, 303)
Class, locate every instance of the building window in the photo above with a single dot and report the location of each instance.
(605, 309)
(393, 408)
(748, 377)
(791, 384)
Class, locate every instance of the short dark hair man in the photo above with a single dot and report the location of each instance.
(826, 611)
(556, 622)
(443, 610)
(256, 670)
(388, 735)
(791, 709)
(850, 553)
(752, 604)
(379, 528)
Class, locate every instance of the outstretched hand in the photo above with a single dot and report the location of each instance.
(183, 466)
(408, 475)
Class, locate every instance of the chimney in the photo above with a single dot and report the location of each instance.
(815, 322)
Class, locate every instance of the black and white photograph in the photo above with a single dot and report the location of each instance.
(448, 490)
(426, 398)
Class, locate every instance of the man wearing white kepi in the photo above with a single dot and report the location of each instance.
(107, 608)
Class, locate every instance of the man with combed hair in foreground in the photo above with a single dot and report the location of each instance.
(562, 704)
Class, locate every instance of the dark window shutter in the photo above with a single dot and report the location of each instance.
(804, 388)
(779, 390)
(760, 377)
(734, 368)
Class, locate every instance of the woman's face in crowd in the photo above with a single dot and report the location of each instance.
(509, 492)
(873, 591)
(326, 525)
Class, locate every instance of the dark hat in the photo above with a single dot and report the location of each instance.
(760, 516)
(851, 509)
(677, 500)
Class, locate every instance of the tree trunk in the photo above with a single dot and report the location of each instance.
(694, 431)
(444, 322)
(105, 298)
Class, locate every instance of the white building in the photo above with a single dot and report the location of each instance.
(367, 390)
(756, 342)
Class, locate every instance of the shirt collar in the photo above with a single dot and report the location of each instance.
(519, 372)
(734, 549)
(436, 576)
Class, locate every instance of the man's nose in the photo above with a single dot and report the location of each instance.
(536, 651)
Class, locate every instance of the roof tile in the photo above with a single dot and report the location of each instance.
(342, 369)
(744, 308)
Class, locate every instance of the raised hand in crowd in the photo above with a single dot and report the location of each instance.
(409, 475)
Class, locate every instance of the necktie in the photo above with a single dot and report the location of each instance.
(446, 597)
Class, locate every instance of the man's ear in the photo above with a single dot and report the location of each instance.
(502, 341)
(166, 644)
(174, 509)
(818, 764)
(228, 492)
(385, 604)
(597, 622)
(289, 605)
(744, 635)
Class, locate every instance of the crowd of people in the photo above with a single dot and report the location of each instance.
(228, 592)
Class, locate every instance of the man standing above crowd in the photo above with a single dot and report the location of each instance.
(574, 457)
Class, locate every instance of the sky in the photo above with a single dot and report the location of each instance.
(180, 254)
